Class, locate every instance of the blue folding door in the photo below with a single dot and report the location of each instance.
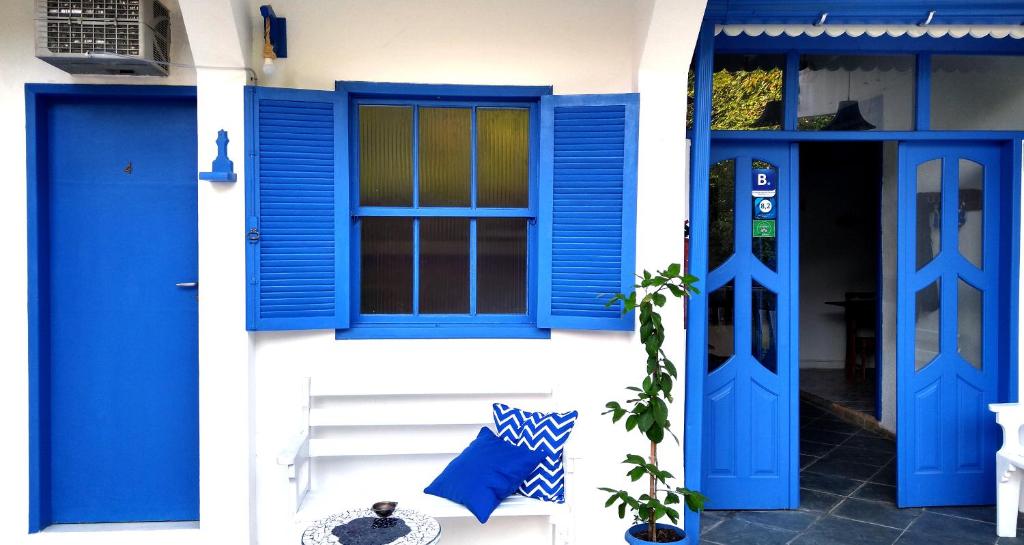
(947, 317)
(749, 453)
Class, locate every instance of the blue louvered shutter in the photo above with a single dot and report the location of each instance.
(587, 218)
(297, 220)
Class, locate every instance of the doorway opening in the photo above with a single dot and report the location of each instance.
(847, 306)
(845, 226)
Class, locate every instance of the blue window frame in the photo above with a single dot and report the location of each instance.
(418, 314)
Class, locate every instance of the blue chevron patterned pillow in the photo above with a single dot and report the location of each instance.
(538, 430)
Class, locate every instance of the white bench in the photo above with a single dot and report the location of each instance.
(437, 424)
(1009, 464)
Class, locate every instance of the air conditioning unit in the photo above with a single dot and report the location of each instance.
(109, 37)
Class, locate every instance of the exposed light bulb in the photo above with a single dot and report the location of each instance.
(268, 66)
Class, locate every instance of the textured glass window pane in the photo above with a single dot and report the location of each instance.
(386, 266)
(722, 217)
(444, 266)
(721, 325)
(856, 92)
(501, 266)
(968, 323)
(445, 160)
(926, 325)
(385, 156)
(765, 248)
(977, 92)
(503, 157)
(929, 211)
(971, 211)
(747, 92)
(764, 313)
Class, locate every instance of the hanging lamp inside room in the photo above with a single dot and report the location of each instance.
(771, 116)
(848, 116)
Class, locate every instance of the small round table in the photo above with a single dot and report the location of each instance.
(423, 530)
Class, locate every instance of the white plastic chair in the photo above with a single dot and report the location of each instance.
(1009, 466)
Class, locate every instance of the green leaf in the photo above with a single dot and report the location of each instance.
(673, 515)
(666, 386)
(634, 459)
(637, 473)
(655, 433)
(612, 490)
(611, 501)
(694, 500)
(646, 422)
(659, 511)
(622, 510)
(633, 389)
(673, 269)
(631, 422)
(670, 367)
(671, 498)
(676, 290)
(660, 410)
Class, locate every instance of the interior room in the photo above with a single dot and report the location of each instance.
(841, 232)
(847, 325)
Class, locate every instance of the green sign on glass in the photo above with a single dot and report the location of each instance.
(764, 228)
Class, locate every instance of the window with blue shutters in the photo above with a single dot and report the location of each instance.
(406, 211)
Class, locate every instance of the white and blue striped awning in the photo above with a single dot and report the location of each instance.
(948, 14)
(872, 30)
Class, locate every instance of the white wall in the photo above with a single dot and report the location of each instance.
(19, 66)
(577, 46)
(838, 245)
(890, 193)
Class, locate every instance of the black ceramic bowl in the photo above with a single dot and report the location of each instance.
(384, 509)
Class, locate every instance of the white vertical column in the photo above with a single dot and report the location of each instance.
(225, 373)
(219, 33)
(663, 187)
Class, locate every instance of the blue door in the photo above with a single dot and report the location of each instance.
(948, 364)
(120, 432)
(750, 390)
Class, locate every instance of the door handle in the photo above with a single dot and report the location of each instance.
(187, 284)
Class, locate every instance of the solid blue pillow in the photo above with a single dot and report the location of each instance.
(487, 472)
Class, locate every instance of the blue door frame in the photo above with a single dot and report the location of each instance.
(38, 98)
(701, 137)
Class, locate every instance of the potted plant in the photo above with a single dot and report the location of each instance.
(647, 413)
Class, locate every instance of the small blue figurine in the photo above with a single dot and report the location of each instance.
(223, 168)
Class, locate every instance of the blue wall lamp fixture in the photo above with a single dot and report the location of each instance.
(275, 38)
(223, 168)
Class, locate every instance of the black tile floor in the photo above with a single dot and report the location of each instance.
(831, 384)
(847, 497)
